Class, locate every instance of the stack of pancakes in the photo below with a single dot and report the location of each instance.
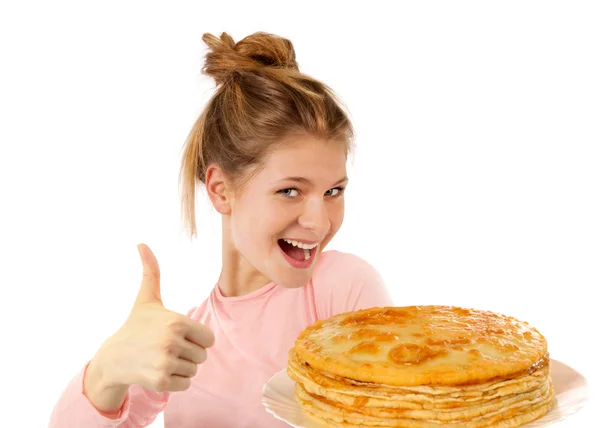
(421, 366)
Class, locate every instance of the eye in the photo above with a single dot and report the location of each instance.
(335, 192)
(289, 193)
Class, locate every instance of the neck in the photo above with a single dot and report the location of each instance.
(238, 277)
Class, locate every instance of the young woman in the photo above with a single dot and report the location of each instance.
(271, 149)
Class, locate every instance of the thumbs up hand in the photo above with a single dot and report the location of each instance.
(155, 348)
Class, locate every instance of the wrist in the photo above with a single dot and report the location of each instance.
(95, 378)
(100, 370)
(106, 396)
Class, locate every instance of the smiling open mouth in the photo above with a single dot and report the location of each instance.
(296, 253)
(293, 251)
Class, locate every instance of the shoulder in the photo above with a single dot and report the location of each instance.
(346, 282)
(199, 313)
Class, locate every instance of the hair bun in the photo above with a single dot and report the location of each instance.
(252, 53)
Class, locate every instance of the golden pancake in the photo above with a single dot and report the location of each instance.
(422, 345)
(511, 420)
(410, 397)
(498, 406)
(421, 366)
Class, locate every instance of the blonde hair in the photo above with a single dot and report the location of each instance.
(261, 97)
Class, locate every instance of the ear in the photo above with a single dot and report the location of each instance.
(218, 189)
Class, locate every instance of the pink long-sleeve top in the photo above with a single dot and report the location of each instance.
(253, 334)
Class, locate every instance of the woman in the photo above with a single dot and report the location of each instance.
(271, 148)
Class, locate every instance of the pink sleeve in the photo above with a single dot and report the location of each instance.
(344, 282)
(191, 312)
(73, 409)
(140, 408)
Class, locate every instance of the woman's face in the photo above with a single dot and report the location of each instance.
(285, 215)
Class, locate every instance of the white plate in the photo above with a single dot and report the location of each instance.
(570, 389)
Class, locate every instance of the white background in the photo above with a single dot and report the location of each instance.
(476, 180)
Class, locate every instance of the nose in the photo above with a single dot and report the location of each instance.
(315, 216)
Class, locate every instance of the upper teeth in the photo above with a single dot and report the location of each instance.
(300, 244)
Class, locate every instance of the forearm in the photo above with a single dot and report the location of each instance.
(74, 409)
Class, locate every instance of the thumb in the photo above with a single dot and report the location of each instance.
(150, 287)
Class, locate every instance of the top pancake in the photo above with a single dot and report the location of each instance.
(422, 345)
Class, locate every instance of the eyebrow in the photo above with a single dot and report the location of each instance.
(307, 181)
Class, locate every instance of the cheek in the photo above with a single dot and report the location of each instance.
(251, 231)
(336, 215)
(280, 214)
(257, 225)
